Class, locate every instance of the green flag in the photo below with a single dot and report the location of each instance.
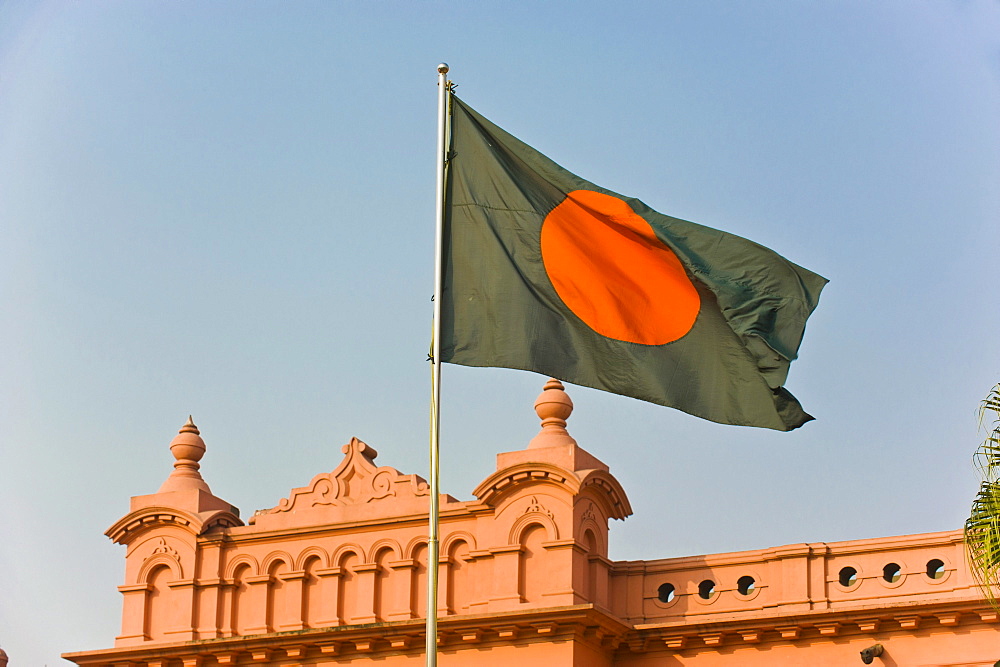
(547, 272)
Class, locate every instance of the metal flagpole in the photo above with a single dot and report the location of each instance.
(433, 546)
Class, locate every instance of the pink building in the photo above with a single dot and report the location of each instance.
(336, 573)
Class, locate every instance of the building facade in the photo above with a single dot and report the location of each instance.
(336, 574)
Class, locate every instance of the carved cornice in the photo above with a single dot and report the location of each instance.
(579, 623)
(502, 483)
(707, 633)
(134, 523)
(605, 489)
(599, 485)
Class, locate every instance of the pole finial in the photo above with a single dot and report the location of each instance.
(443, 68)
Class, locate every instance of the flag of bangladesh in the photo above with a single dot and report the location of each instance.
(547, 272)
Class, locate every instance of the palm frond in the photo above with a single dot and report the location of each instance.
(982, 529)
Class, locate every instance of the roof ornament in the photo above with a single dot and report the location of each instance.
(187, 448)
(553, 406)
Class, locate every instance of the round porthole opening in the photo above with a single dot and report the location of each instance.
(706, 589)
(848, 577)
(935, 569)
(891, 573)
(746, 585)
(665, 593)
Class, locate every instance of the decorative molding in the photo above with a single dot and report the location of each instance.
(602, 487)
(868, 625)
(356, 481)
(828, 629)
(500, 484)
(588, 514)
(527, 520)
(134, 523)
(162, 555)
(166, 549)
(535, 507)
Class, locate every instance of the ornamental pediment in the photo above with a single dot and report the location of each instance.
(357, 481)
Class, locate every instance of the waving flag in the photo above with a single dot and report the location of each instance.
(547, 272)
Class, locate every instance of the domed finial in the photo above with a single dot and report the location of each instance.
(187, 448)
(443, 68)
(553, 406)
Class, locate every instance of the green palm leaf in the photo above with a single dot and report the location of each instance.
(982, 529)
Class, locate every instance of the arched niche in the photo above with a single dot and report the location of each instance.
(277, 593)
(312, 553)
(383, 584)
(459, 587)
(529, 519)
(312, 598)
(241, 601)
(533, 574)
(158, 616)
(347, 594)
(418, 579)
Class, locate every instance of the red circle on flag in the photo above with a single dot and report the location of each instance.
(610, 269)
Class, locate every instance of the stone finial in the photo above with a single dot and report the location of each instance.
(188, 448)
(553, 406)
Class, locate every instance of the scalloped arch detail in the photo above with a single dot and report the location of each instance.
(312, 552)
(344, 549)
(274, 557)
(526, 521)
(383, 544)
(155, 562)
(458, 536)
(238, 561)
(413, 545)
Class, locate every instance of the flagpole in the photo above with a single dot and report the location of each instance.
(433, 544)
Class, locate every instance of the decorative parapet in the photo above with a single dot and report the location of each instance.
(356, 481)
(794, 579)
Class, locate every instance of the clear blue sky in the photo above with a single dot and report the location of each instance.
(226, 209)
